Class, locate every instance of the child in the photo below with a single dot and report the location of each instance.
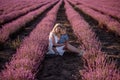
(64, 37)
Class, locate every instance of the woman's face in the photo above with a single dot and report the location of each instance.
(57, 29)
(63, 31)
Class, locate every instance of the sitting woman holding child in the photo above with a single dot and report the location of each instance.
(58, 41)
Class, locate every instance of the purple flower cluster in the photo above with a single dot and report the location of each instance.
(7, 6)
(25, 63)
(95, 61)
(20, 22)
(100, 69)
(109, 8)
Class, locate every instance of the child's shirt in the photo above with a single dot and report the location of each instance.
(63, 38)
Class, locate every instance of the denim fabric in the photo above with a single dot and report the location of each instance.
(63, 38)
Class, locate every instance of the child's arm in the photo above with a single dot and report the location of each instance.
(56, 44)
(66, 38)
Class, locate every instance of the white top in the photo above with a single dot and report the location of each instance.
(59, 49)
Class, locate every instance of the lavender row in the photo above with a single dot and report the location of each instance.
(6, 7)
(96, 66)
(110, 23)
(25, 63)
(105, 4)
(12, 27)
(15, 14)
(101, 9)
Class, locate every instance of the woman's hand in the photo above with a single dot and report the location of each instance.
(65, 45)
(58, 45)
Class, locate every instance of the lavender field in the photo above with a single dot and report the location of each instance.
(92, 25)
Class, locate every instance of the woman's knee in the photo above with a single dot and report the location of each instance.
(68, 44)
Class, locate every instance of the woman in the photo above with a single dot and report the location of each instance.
(58, 41)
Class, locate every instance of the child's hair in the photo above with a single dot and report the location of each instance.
(64, 28)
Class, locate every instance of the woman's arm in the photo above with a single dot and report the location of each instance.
(56, 44)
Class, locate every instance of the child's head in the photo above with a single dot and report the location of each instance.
(63, 30)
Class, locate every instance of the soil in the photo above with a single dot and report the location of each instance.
(64, 67)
